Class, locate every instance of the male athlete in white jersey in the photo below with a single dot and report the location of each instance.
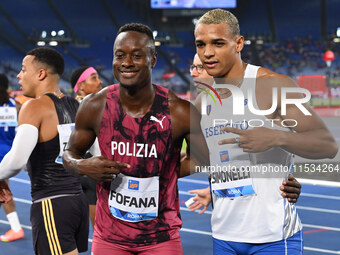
(250, 216)
(290, 188)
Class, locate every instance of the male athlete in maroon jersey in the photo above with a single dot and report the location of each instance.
(146, 144)
(140, 127)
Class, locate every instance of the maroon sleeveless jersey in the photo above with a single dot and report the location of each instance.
(146, 144)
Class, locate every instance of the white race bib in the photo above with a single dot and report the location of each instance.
(64, 131)
(232, 180)
(8, 116)
(134, 199)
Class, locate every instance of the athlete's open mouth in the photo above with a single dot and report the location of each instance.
(210, 64)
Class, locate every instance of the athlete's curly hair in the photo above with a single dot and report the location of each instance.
(219, 16)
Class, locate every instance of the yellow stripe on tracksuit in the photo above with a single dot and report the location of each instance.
(50, 228)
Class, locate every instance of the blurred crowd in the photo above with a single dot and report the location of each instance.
(293, 57)
(299, 56)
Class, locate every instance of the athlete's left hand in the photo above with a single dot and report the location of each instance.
(5, 193)
(291, 189)
(202, 198)
(257, 139)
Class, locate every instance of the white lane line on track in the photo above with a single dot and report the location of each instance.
(321, 250)
(302, 194)
(200, 233)
(301, 180)
(319, 182)
(20, 180)
(187, 193)
(25, 201)
(23, 226)
(196, 231)
(317, 209)
(298, 207)
(26, 227)
(188, 210)
(90, 240)
(320, 227)
(181, 192)
(318, 196)
(205, 182)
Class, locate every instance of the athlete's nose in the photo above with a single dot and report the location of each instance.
(127, 62)
(194, 73)
(209, 51)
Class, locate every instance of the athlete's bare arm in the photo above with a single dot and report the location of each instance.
(37, 123)
(185, 121)
(311, 138)
(42, 114)
(84, 134)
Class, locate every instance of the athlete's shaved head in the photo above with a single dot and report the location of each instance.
(141, 28)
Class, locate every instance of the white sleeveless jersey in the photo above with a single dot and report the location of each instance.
(254, 211)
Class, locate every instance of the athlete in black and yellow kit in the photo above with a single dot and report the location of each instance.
(59, 212)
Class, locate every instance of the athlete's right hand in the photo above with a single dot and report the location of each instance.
(100, 168)
(202, 198)
(291, 189)
(5, 192)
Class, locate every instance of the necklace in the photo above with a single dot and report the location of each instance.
(58, 93)
(228, 92)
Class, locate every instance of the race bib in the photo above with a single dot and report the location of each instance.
(64, 131)
(134, 199)
(232, 181)
(8, 117)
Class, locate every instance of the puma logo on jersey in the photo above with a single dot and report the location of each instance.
(157, 120)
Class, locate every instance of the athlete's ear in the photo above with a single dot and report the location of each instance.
(81, 88)
(42, 74)
(154, 60)
(239, 43)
